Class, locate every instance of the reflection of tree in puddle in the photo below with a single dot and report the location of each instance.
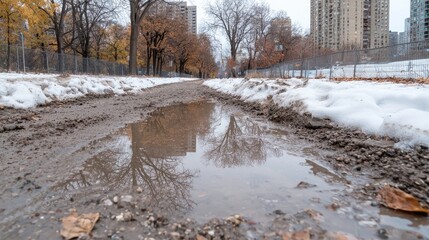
(146, 155)
(242, 144)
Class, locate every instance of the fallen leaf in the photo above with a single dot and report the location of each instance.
(74, 225)
(199, 237)
(339, 236)
(399, 200)
(301, 235)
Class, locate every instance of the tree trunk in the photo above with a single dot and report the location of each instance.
(148, 56)
(234, 59)
(8, 48)
(154, 57)
(132, 64)
(60, 67)
(160, 66)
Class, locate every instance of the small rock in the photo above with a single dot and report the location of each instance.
(127, 198)
(9, 127)
(368, 223)
(305, 185)
(1, 129)
(279, 212)
(211, 233)
(108, 202)
(175, 235)
(333, 206)
(125, 217)
(382, 233)
(139, 190)
(115, 199)
(116, 237)
(235, 220)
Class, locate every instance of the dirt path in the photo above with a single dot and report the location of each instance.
(35, 145)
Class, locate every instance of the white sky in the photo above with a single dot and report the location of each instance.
(299, 11)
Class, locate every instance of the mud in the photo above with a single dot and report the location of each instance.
(35, 143)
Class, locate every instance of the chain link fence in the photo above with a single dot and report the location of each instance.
(18, 59)
(410, 60)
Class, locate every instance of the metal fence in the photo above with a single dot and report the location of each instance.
(19, 59)
(410, 60)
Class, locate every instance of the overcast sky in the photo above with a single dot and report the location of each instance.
(299, 11)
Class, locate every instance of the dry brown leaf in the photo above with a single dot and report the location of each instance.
(199, 237)
(301, 235)
(399, 200)
(339, 236)
(75, 225)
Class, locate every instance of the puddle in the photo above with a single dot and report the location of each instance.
(204, 160)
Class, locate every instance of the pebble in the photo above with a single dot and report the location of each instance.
(211, 233)
(124, 217)
(175, 235)
(127, 198)
(279, 212)
(116, 237)
(108, 202)
(115, 199)
(382, 233)
(139, 190)
(368, 223)
(9, 127)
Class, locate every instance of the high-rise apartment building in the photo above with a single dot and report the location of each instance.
(393, 38)
(180, 9)
(192, 19)
(419, 20)
(350, 24)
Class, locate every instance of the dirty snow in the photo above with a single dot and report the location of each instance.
(387, 109)
(30, 90)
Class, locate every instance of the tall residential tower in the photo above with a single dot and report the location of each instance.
(350, 24)
(419, 20)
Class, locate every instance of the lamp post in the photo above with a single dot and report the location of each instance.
(23, 54)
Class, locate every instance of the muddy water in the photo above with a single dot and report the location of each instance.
(204, 160)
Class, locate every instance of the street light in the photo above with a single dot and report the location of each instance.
(23, 54)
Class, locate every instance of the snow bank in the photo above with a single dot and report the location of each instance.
(30, 90)
(395, 110)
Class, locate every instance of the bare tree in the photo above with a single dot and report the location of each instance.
(87, 15)
(138, 9)
(233, 18)
(57, 10)
(255, 40)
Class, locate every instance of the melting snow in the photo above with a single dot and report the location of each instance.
(30, 90)
(388, 109)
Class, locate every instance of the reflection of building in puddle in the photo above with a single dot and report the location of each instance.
(148, 157)
(172, 131)
(241, 144)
